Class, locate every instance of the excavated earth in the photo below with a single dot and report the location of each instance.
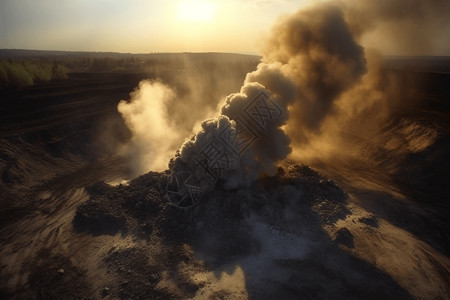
(258, 242)
(74, 226)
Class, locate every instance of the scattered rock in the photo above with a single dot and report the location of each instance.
(124, 283)
(344, 237)
(371, 221)
(59, 273)
(330, 211)
(48, 280)
(139, 205)
(105, 291)
(97, 218)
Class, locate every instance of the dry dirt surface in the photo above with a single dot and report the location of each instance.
(74, 225)
(295, 234)
(261, 242)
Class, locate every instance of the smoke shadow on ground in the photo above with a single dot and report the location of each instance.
(258, 242)
(273, 232)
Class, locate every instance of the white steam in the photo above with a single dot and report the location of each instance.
(154, 137)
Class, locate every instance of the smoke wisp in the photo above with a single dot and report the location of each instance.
(162, 112)
(154, 136)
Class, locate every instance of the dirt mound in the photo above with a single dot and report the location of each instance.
(139, 206)
(266, 236)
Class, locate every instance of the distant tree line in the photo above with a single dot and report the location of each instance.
(21, 71)
(17, 74)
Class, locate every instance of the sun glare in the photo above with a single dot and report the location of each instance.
(195, 10)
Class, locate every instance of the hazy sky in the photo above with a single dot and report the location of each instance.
(140, 26)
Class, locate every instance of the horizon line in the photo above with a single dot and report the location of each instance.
(133, 53)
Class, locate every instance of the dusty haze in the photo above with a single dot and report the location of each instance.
(316, 64)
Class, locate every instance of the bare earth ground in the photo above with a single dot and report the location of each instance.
(376, 229)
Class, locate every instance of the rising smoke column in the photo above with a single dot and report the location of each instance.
(233, 149)
(317, 51)
(406, 27)
(310, 59)
(313, 78)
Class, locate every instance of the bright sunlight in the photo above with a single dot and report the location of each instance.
(195, 10)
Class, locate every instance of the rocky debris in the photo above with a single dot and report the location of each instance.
(301, 170)
(111, 209)
(49, 281)
(140, 277)
(344, 237)
(330, 211)
(139, 206)
(118, 207)
(220, 225)
(98, 218)
(59, 273)
(105, 291)
(371, 221)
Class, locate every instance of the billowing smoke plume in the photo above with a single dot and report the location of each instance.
(164, 111)
(383, 27)
(406, 27)
(310, 60)
(314, 82)
(244, 141)
(315, 48)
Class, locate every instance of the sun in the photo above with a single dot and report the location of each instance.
(195, 10)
